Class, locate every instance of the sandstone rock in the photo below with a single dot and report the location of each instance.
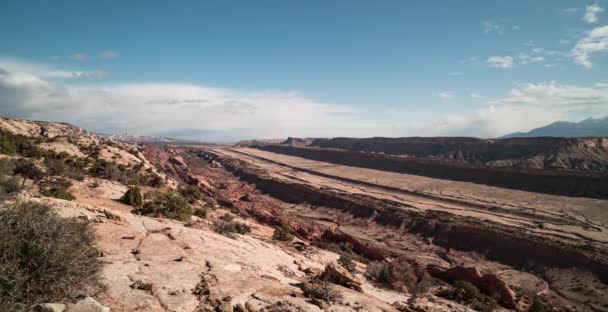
(87, 304)
(338, 275)
(489, 284)
(49, 307)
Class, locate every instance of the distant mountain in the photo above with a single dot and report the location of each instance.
(587, 128)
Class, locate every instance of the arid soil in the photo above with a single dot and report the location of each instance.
(527, 240)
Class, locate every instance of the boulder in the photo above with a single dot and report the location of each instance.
(489, 284)
(339, 275)
(87, 304)
(49, 307)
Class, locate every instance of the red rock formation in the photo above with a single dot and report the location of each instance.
(489, 284)
(369, 251)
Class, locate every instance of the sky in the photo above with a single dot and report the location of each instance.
(230, 70)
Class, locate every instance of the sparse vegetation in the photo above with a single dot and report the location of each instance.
(58, 191)
(399, 275)
(167, 205)
(321, 290)
(43, 257)
(200, 212)
(282, 306)
(11, 144)
(132, 197)
(7, 167)
(229, 228)
(28, 171)
(346, 261)
(538, 305)
(466, 292)
(191, 193)
(283, 233)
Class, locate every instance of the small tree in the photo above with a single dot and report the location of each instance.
(191, 193)
(132, 197)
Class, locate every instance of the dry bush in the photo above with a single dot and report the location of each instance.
(346, 262)
(283, 233)
(43, 257)
(322, 290)
(282, 306)
(165, 204)
(399, 275)
(465, 292)
(231, 227)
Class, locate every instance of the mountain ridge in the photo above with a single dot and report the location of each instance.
(590, 127)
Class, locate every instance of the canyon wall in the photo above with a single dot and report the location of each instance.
(566, 183)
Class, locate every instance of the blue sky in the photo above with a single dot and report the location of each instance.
(236, 69)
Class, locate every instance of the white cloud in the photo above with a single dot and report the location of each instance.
(591, 13)
(46, 71)
(445, 95)
(198, 112)
(475, 95)
(108, 54)
(79, 57)
(501, 61)
(528, 59)
(595, 41)
(489, 27)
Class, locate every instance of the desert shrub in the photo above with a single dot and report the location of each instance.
(466, 292)
(11, 144)
(201, 213)
(58, 192)
(28, 170)
(399, 275)
(538, 305)
(132, 197)
(191, 193)
(227, 217)
(283, 233)
(346, 262)
(7, 146)
(9, 185)
(282, 306)
(322, 290)
(166, 204)
(343, 248)
(229, 228)
(7, 167)
(154, 180)
(43, 257)
(67, 167)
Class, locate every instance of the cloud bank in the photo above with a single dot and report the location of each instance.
(206, 113)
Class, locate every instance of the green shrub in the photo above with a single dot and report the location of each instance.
(283, 233)
(282, 306)
(58, 192)
(7, 167)
(191, 193)
(11, 144)
(346, 262)
(43, 257)
(201, 213)
(399, 275)
(132, 197)
(7, 146)
(166, 204)
(9, 185)
(466, 292)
